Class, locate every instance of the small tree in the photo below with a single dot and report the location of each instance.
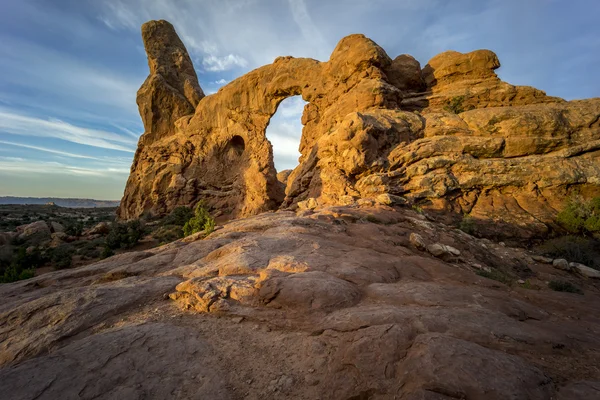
(201, 221)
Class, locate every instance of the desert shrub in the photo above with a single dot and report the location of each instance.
(209, 226)
(124, 235)
(62, 257)
(578, 249)
(179, 216)
(581, 216)
(455, 105)
(89, 249)
(106, 252)
(22, 265)
(74, 228)
(563, 286)
(201, 221)
(12, 275)
(467, 224)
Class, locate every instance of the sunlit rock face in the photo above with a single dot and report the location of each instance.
(451, 137)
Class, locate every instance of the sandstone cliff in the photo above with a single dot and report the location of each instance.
(450, 137)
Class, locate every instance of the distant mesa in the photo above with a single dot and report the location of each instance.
(54, 201)
(449, 137)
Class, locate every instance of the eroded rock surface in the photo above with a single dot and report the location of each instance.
(450, 136)
(341, 303)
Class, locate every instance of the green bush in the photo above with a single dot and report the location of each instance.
(573, 248)
(22, 265)
(201, 221)
(179, 216)
(124, 235)
(74, 229)
(107, 252)
(563, 286)
(581, 216)
(62, 257)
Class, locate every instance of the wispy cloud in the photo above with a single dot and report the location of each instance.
(47, 150)
(18, 124)
(62, 77)
(214, 63)
(21, 166)
(221, 82)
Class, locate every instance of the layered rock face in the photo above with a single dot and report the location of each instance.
(343, 303)
(451, 136)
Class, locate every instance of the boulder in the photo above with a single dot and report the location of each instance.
(585, 270)
(561, 263)
(441, 250)
(390, 199)
(418, 241)
(542, 259)
(102, 228)
(58, 238)
(56, 227)
(38, 229)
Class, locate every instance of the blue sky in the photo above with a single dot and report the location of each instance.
(70, 69)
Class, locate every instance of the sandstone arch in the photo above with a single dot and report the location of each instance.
(179, 164)
(451, 136)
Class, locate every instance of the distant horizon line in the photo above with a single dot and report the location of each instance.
(54, 197)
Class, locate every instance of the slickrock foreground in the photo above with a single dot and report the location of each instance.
(450, 137)
(343, 303)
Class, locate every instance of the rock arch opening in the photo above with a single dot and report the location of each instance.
(284, 132)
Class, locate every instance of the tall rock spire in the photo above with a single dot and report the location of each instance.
(171, 91)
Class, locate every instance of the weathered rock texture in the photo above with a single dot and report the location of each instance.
(451, 136)
(343, 303)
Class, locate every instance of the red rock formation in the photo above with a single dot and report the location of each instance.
(451, 137)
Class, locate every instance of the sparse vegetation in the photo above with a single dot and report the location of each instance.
(417, 209)
(467, 224)
(455, 105)
(496, 275)
(62, 257)
(22, 265)
(77, 248)
(581, 216)
(124, 235)
(171, 227)
(563, 286)
(526, 285)
(578, 249)
(201, 221)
